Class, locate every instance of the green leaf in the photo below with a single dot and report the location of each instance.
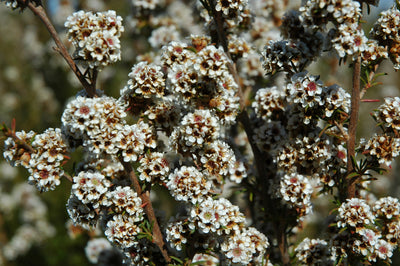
(352, 175)
(342, 230)
(141, 236)
(380, 74)
(191, 48)
(176, 259)
(353, 161)
(4, 128)
(201, 262)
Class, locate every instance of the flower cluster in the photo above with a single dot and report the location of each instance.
(96, 37)
(381, 148)
(371, 232)
(146, 80)
(90, 188)
(295, 191)
(12, 149)
(387, 115)
(229, 8)
(217, 216)
(153, 167)
(203, 120)
(197, 129)
(307, 35)
(313, 252)
(386, 32)
(318, 13)
(350, 40)
(146, 4)
(220, 218)
(246, 246)
(122, 230)
(98, 125)
(44, 158)
(188, 184)
(355, 213)
(95, 247)
(384, 147)
(177, 233)
(205, 258)
(268, 102)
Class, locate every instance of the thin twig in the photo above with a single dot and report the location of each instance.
(355, 105)
(282, 241)
(341, 129)
(248, 128)
(148, 208)
(243, 116)
(21, 144)
(260, 158)
(68, 177)
(223, 41)
(39, 11)
(94, 77)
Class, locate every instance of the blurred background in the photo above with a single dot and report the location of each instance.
(35, 84)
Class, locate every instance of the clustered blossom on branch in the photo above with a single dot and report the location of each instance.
(96, 37)
(44, 162)
(385, 31)
(307, 34)
(383, 148)
(178, 125)
(371, 232)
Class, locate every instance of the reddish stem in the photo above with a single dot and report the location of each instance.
(355, 105)
(148, 208)
(282, 242)
(41, 13)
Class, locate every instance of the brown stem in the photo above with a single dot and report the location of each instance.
(94, 77)
(68, 177)
(341, 129)
(39, 11)
(3, 235)
(21, 144)
(223, 41)
(355, 105)
(148, 208)
(219, 21)
(282, 243)
(258, 156)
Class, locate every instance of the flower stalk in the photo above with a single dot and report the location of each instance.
(148, 208)
(351, 142)
(39, 11)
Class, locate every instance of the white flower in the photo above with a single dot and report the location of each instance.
(94, 247)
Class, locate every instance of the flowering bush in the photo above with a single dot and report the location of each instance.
(226, 120)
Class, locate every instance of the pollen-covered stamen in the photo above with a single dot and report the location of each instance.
(84, 110)
(44, 174)
(312, 86)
